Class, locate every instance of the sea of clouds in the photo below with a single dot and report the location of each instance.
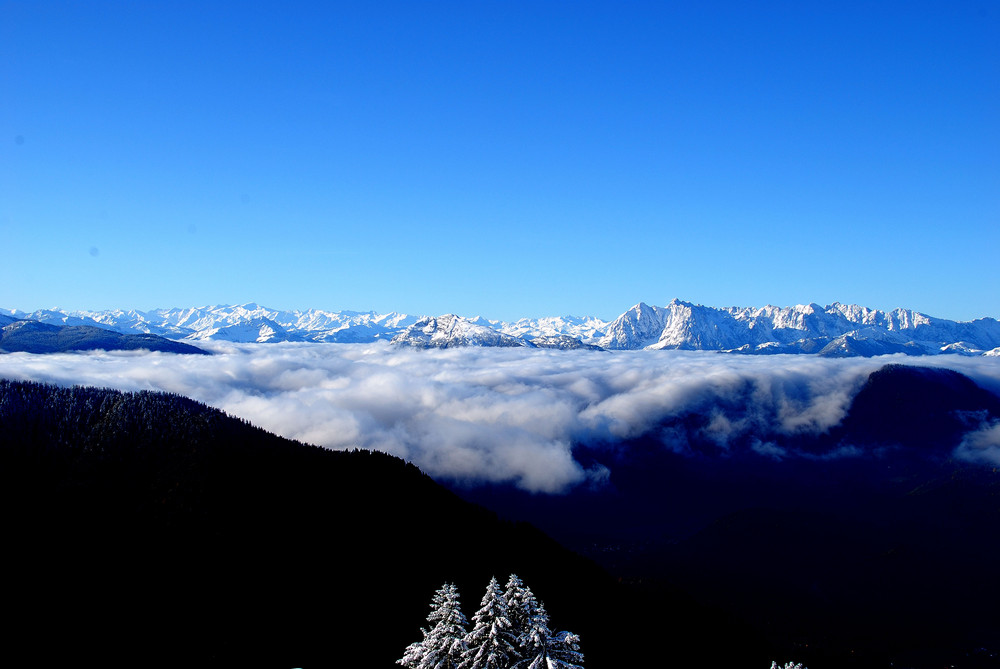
(501, 415)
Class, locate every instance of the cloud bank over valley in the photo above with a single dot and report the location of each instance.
(476, 415)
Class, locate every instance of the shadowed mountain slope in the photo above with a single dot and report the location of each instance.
(148, 529)
(918, 406)
(35, 337)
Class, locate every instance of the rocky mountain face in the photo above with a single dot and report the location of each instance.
(836, 330)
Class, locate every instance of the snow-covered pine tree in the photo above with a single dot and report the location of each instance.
(491, 643)
(444, 645)
(545, 650)
(564, 651)
(535, 640)
(521, 609)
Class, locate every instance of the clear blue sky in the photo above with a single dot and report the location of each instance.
(500, 158)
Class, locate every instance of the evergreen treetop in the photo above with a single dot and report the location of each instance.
(444, 644)
(491, 643)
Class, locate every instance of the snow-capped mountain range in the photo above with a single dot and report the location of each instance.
(833, 330)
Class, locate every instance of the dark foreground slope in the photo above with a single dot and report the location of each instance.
(869, 546)
(147, 529)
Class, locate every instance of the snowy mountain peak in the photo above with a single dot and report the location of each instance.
(449, 331)
(259, 329)
(836, 329)
(638, 327)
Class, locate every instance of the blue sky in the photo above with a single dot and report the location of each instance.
(506, 159)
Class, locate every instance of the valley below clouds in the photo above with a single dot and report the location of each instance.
(474, 415)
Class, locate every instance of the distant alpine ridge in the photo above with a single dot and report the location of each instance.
(836, 330)
(30, 336)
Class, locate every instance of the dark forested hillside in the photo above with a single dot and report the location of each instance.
(147, 529)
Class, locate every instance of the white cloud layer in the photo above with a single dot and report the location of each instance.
(498, 415)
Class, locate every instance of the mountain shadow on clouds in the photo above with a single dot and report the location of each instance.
(146, 529)
(869, 545)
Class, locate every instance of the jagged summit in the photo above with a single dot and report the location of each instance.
(449, 331)
(833, 330)
(253, 329)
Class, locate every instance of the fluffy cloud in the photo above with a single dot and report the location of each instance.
(982, 445)
(499, 415)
